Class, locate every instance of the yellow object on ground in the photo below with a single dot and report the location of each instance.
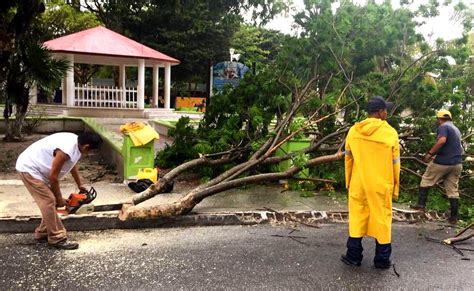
(148, 173)
(372, 166)
(139, 132)
(190, 102)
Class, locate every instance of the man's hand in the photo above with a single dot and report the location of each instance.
(82, 189)
(428, 158)
(60, 202)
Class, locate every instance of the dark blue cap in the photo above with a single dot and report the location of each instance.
(377, 103)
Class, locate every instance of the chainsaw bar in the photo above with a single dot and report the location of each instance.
(107, 207)
(90, 208)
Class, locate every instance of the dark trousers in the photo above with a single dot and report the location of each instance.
(354, 250)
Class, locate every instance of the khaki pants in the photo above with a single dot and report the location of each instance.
(51, 226)
(450, 174)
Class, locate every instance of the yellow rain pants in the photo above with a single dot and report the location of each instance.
(372, 167)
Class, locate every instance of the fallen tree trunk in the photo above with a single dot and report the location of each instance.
(164, 184)
(190, 200)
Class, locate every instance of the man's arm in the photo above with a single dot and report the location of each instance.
(58, 161)
(440, 141)
(77, 178)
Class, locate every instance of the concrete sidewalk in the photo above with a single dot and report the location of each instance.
(19, 213)
(16, 201)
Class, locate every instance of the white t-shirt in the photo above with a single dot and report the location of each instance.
(37, 159)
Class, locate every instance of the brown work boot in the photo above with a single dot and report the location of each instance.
(65, 245)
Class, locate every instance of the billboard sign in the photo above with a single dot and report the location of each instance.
(227, 73)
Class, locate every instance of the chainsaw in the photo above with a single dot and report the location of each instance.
(80, 203)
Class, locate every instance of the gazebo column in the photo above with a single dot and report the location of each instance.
(156, 77)
(122, 82)
(141, 84)
(167, 85)
(70, 81)
(63, 92)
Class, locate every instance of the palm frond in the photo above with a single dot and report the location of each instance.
(42, 69)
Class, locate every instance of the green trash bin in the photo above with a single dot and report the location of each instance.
(136, 157)
(292, 146)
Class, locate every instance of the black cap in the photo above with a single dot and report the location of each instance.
(377, 103)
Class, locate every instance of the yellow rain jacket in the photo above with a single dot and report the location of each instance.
(372, 166)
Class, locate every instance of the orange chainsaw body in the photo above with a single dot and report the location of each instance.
(76, 200)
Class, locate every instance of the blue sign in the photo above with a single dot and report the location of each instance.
(227, 73)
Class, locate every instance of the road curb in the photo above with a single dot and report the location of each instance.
(111, 221)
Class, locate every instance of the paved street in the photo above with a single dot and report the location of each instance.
(232, 257)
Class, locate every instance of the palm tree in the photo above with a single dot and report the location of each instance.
(24, 63)
(30, 65)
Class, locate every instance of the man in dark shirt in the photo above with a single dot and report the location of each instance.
(446, 165)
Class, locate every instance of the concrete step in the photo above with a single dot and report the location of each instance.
(46, 110)
(170, 115)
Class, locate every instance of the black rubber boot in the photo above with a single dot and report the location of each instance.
(423, 196)
(453, 216)
(353, 256)
(382, 255)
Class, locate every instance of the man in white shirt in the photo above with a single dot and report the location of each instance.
(41, 166)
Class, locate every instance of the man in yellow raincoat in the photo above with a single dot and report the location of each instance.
(372, 166)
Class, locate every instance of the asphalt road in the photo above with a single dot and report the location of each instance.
(232, 257)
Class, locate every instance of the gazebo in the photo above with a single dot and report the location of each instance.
(101, 46)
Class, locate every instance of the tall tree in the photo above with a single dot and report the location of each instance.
(28, 63)
(256, 44)
(15, 20)
(61, 18)
(341, 58)
(195, 32)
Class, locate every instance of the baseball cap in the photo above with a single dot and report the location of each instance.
(377, 103)
(443, 113)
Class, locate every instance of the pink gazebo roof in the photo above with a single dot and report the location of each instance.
(102, 41)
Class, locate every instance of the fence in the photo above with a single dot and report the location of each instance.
(105, 96)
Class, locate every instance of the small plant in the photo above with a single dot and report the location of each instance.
(34, 118)
(6, 164)
(306, 194)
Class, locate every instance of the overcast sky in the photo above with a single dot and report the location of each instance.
(442, 26)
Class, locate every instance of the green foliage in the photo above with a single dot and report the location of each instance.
(306, 194)
(300, 160)
(332, 171)
(194, 32)
(242, 115)
(233, 117)
(306, 188)
(256, 44)
(61, 18)
(180, 151)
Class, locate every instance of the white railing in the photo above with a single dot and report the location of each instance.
(105, 96)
